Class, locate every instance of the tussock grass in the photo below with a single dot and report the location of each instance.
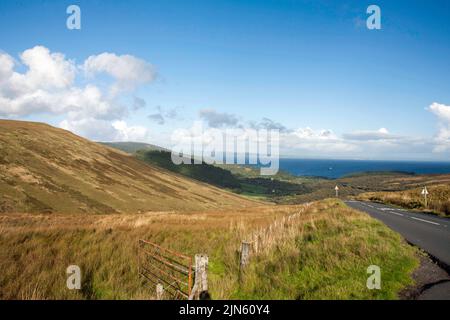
(35, 250)
(327, 258)
(324, 256)
(438, 199)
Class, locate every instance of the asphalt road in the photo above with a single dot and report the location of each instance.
(430, 233)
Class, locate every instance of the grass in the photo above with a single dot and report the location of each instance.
(438, 201)
(324, 255)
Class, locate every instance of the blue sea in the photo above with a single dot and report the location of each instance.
(333, 169)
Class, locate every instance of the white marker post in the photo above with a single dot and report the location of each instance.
(425, 194)
(337, 191)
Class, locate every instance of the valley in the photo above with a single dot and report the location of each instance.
(66, 200)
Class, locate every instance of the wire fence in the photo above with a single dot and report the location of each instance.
(264, 239)
(173, 276)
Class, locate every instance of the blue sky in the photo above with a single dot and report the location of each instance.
(310, 66)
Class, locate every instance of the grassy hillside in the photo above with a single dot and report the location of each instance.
(438, 199)
(202, 172)
(321, 254)
(45, 169)
(252, 184)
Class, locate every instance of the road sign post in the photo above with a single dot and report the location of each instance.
(425, 194)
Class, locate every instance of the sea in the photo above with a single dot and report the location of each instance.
(333, 169)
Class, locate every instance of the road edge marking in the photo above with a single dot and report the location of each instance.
(435, 223)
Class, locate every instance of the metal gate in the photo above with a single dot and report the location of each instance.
(161, 266)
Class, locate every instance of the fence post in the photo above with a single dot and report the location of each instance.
(200, 289)
(159, 291)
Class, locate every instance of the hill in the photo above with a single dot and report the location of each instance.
(46, 169)
(202, 172)
(251, 183)
(132, 147)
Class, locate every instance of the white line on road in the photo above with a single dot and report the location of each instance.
(399, 214)
(425, 221)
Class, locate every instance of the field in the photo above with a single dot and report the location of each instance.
(321, 254)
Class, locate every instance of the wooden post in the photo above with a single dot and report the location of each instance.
(159, 291)
(200, 289)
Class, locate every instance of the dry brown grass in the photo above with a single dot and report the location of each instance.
(35, 251)
(438, 199)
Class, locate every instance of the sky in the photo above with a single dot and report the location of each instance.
(141, 70)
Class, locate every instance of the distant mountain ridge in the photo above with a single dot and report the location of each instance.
(133, 147)
(45, 169)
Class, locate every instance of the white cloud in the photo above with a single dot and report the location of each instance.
(368, 135)
(441, 111)
(75, 102)
(127, 70)
(49, 85)
(307, 142)
(308, 133)
(130, 133)
(377, 144)
(45, 71)
(442, 138)
(6, 66)
(103, 130)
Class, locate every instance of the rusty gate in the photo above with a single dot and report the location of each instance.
(161, 266)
